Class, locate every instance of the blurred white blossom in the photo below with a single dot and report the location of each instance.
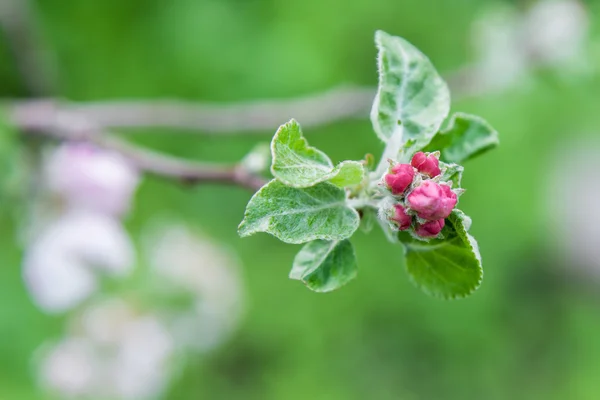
(210, 273)
(67, 247)
(61, 263)
(115, 350)
(509, 43)
(91, 178)
(496, 36)
(112, 351)
(555, 31)
(573, 211)
(69, 367)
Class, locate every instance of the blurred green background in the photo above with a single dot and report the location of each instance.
(530, 332)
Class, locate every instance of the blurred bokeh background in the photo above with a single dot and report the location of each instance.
(172, 304)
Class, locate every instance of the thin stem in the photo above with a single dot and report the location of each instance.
(40, 118)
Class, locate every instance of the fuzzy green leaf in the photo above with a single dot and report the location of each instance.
(452, 173)
(299, 165)
(295, 163)
(466, 137)
(296, 215)
(324, 266)
(347, 173)
(412, 99)
(448, 268)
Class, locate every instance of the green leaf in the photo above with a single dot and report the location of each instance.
(448, 268)
(299, 165)
(296, 215)
(295, 163)
(324, 266)
(466, 137)
(412, 99)
(347, 173)
(452, 173)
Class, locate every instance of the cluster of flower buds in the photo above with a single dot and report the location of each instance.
(421, 201)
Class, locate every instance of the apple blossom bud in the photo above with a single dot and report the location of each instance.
(426, 164)
(449, 201)
(430, 229)
(400, 178)
(400, 218)
(432, 201)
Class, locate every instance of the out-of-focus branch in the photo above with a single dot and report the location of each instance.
(91, 122)
(261, 116)
(258, 116)
(41, 118)
(341, 103)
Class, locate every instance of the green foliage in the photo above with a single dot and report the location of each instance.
(297, 164)
(296, 215)
(314, 202)
(451, 173)
(347, 173)
(412, 100)
(448, 268)
(467, 136)
(324, 266)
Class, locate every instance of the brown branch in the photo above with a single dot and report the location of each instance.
(42, 118)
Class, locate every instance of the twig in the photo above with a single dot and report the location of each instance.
(172, 167)
(258, 116)
(41, 118)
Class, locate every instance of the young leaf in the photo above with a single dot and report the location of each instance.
(466, 137)
(294, 161)
(412, 99)
(347, 173)
(297, 164)
(449, 268)
(451, 172)
(324, 266)
(295, 215)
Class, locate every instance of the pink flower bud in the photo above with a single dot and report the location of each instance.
(430, 229)
(429, 165)
(432, 201)
(400, 178)
(400, 218)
